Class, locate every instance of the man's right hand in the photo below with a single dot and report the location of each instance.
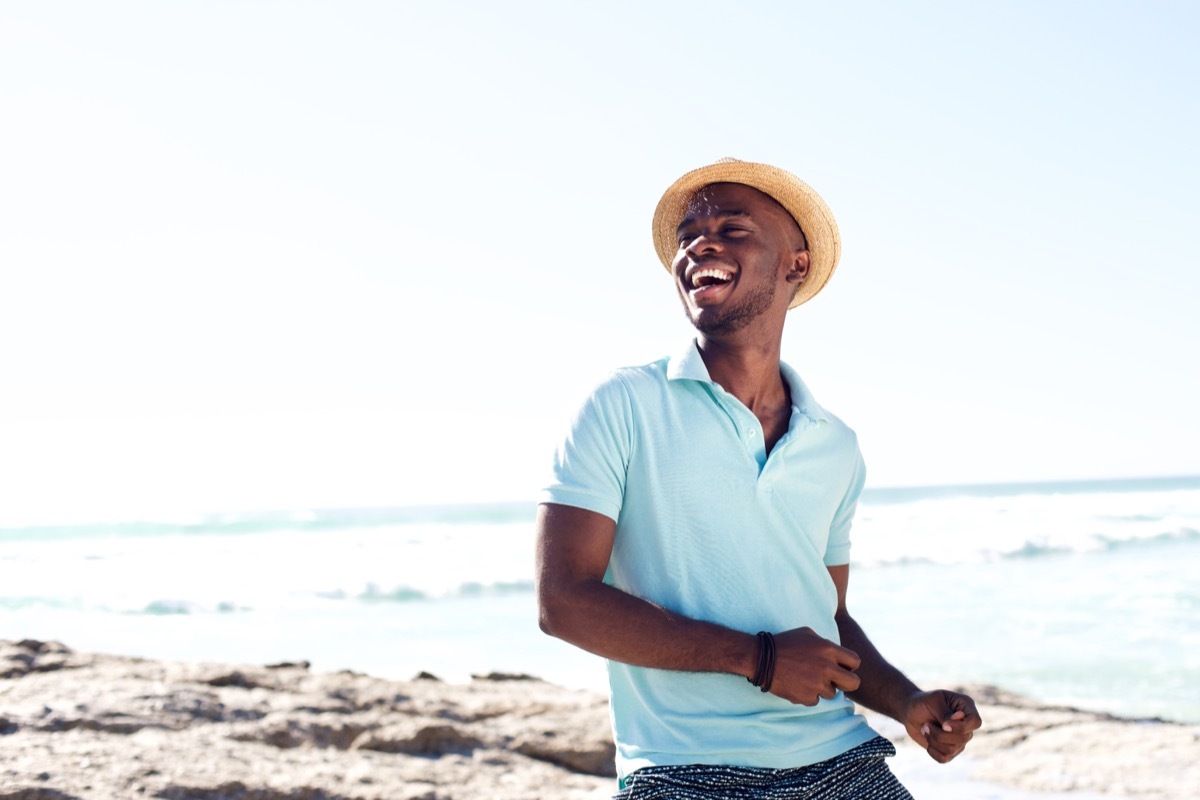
(808, 667)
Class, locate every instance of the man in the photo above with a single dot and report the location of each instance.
(696, 533)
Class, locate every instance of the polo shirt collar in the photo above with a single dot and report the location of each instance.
(688, 365)
(802, 399)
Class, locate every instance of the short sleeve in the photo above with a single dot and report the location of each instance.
(837, 550)
(591, 463)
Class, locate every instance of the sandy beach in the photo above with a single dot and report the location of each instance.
(82, 725)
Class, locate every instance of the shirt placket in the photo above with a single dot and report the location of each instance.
(746, 428)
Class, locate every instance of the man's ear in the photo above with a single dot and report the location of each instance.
(799, 268)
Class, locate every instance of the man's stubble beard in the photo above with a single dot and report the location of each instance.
(734, 319)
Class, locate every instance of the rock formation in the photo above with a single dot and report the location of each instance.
(77, 725)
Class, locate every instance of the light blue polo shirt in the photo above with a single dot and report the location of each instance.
(711, 527)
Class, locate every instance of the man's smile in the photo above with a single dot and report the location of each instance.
(707, 282)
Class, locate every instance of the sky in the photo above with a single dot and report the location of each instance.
(261, 255)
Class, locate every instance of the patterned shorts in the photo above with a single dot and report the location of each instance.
(857, 774)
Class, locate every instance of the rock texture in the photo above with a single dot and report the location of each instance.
(76, 725)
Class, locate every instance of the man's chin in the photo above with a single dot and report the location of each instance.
(711, 323)
(728, 318)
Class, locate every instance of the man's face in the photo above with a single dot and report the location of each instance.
(740, 257)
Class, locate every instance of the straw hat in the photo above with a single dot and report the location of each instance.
(796, 196)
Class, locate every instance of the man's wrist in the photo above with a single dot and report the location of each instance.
(764, 670)
(741, 655)
(907, 698)
(892, 695)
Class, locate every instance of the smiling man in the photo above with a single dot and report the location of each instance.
(696, 530)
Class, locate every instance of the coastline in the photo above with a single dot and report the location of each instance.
(83, 725)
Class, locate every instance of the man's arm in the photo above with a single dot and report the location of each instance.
(941, 721)
(574, 604)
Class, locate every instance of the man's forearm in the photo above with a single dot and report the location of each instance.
(884, 688)
(621, 627)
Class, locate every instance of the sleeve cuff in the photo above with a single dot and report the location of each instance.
(563, 496)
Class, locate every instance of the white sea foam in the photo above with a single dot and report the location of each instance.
(270, 570)
(969, 529)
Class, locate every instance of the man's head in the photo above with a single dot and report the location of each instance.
(805, 207)
(740, 257)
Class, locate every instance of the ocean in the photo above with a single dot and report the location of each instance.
(1080, 593)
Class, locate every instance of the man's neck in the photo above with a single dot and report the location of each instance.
(747, 369)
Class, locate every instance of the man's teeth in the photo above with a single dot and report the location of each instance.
(707, 277)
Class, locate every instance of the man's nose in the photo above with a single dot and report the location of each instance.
(702, 244)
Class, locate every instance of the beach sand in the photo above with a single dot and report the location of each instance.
(80, 725)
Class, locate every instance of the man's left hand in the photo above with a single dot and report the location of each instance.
(942, 722)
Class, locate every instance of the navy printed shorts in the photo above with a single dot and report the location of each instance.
(857, 774)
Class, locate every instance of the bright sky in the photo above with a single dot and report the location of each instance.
(288, 254)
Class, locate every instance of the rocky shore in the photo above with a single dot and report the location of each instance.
(79, 725)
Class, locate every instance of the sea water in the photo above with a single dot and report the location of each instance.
(1083, 594)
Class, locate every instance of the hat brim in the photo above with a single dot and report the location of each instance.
(797, 197)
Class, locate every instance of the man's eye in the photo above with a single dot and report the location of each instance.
(729, 231)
